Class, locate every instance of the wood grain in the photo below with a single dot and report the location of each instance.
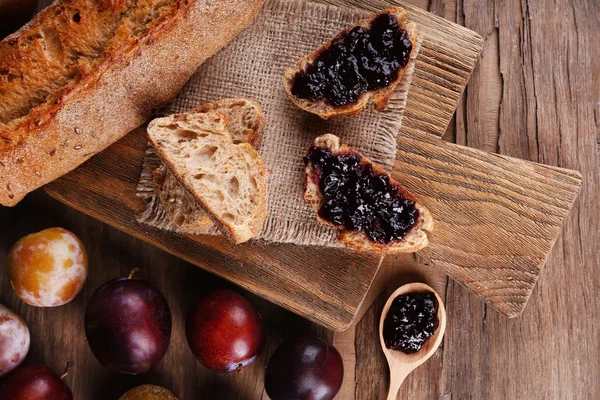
(327, 286)
(496, 217)
(498, 242)
(548, 95)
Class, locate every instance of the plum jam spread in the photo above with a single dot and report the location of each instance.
(356, 62)
(359, 199)
(410, 322)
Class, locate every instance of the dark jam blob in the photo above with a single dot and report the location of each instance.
(356, 62)
(359, 199)
(410, 322)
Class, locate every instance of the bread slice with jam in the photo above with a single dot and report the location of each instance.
(372, 211)
(364, 63)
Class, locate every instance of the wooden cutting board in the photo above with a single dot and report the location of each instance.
(497, 218)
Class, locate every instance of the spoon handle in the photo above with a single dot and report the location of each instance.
(397, 376)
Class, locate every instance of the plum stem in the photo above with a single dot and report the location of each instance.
(133, 271)
(70, 364)
(239, 368)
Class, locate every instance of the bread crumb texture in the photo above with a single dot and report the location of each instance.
(245, 123)
(228, 180)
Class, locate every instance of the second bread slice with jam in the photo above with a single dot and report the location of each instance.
(371, 211)
(228, 180)
(363, 63)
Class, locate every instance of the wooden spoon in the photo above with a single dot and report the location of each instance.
(402, 364)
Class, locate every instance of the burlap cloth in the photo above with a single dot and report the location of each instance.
(252, 66)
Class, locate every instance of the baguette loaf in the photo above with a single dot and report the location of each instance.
(246, 123)
(415, 237)
(379, 97)
(82, 74)
(228, 181)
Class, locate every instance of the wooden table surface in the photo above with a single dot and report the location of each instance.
(535, 95)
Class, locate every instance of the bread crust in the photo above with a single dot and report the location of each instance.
(379, 97)
(130, 78)
(416, 239)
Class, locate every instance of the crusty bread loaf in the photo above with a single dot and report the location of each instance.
(229, 181)
(82, 74)
(245, 122)
(379, 97)
(414, 240)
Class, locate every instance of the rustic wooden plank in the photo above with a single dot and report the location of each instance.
(550, 352)
(369, 355)
(496, 217)
(506, 290)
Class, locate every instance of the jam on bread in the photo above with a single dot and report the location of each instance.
(370, 210)
(360, 199)
(355, 62)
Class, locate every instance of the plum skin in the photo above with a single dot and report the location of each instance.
(128, 325)
(224, 331)
(14, 340)
(34, 382)
(48, 268)
(304, 368)
(148, 392)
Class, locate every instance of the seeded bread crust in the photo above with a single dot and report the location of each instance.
(84, 73)
(379, 97)
(415, 239)
(245, 122)
(228, 181)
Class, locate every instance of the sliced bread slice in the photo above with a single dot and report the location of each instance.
(379, 97)
(180, 205)
(245, 119)
(228, 181)
(389, 210)
(245, 122)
